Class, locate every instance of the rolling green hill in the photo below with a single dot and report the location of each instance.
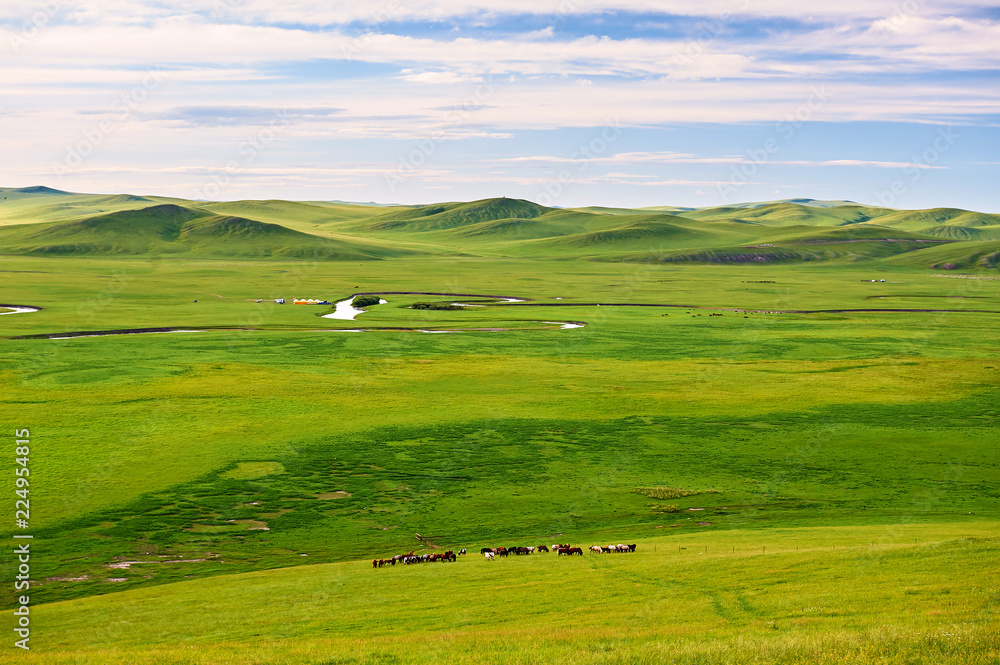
(781, 214)
(550, 224)
(450, 215)
(30, 205)
(15, 193)
(40, 220)
(964, 232)
(173, 229)
(852, 233)
(643, 233)
(296, 215)
(921, 219)
(957, 255)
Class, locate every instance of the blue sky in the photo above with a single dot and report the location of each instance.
(565, 102)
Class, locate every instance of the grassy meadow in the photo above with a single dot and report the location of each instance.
(817, 595)
(217, 496)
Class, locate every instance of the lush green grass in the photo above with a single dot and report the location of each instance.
(211, 459)
(903, 594)
(469, 436)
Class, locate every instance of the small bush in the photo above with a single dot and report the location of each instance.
(365, 301)
(665, 492)
(434, 305)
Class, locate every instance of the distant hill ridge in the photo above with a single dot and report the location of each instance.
(174, 229)
(38, 190)
(43, 221)
(451, 215)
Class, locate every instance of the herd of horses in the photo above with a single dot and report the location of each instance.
(612, 549)
(411, 558)
(490, 553)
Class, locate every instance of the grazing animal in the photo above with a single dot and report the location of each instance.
(489, 555)
(487, 549)
(462, 551)
(570, 551)
(631, 548)
(596, 549)
(543, 548)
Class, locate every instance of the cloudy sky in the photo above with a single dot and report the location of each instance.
(565, 102)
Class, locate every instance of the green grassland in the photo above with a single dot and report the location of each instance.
(830, 595)
(181, 480)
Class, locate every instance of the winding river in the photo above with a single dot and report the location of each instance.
(19, 309)
(344, 311)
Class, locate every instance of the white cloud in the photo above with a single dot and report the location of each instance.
(885, 46)
(669, 158)
(436, 77)
(376, 14)
(899, 44)
(860, 162)
(875, 64)
(19, 75)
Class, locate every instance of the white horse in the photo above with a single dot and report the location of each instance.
(488, 555)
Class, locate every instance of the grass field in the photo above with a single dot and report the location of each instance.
(826, 595)
(181, 480)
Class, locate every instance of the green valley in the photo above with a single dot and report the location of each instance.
(804, 392)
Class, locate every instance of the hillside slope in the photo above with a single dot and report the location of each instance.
(45, 221)
(450, 215)
(173, 229)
